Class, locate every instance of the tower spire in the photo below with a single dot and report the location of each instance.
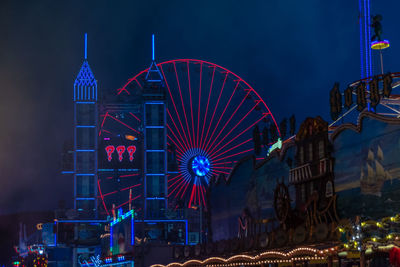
(85, 46)
(153, 73)
(153, 57)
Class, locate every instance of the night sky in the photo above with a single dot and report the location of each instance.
(291, 52)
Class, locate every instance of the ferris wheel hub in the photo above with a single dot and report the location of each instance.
(200, 165)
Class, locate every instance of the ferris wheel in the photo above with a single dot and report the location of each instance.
(211, 113)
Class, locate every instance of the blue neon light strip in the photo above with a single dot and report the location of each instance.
(154, 103)
(85, 126)
(155, 150)
(132, 230)
(155, 127)
(80, 102)
(55, 234)
(155, 174)
(85, 174)
(85, 150)
(85, 45)
(67, 172)
(152, 37)
(85, 198)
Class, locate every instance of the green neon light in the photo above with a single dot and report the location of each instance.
(276, 145)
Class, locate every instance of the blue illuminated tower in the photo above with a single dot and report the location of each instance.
(155, 143)
(365, 38)
(85, 141)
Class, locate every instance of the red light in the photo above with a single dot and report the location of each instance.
(110, 150)
(120, 151)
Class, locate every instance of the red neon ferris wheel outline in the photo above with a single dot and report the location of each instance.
(187, 139)
(202, 62)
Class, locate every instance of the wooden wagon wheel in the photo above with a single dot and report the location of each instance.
(281, 202)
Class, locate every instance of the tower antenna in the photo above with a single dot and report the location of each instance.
(85, 45)
(152, 40)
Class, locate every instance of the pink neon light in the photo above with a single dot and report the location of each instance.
(131, 150)
(223, 112)
(197, 61)
(184, 191)
(248, 140)
(208, 102)
(117, 207)
(239, 134)
(198, 108)
(110, 150)
(215, 109)
(177, 181)
(102, 198)
(120, 151)
(190, 99)
(133, 115)
(176, 187)
(237, 124)
(234, 154)
(126, 125)
(129, 187)
(183, 106)
(173, 133)
(173, 102)
(220, 132)
(129, 175)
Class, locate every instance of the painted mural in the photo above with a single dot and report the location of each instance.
(367, 167)
(252, 190)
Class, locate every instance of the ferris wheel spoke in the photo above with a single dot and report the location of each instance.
(133, 115)
(191, 105)
(176, 111)
(248, 128)
(198, 107)
(181, 146)
(237, 124)
(185, 141)
(216, 106)
(217, 171)
(183, 105)
(130, 200)
(232, 148)
(178, 149)
(126, 125)
(177, 181)
(227, 122)
(230, 156)
(202, 196)
(184, 191)
(192, 194)
(223, 112)
(180, 185)
(138, 83)
(174, 178)
(102, 197)
(208, 102)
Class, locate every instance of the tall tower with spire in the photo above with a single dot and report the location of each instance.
(85, 141)
(155, 143)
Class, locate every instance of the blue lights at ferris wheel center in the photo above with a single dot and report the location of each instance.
(200, 165)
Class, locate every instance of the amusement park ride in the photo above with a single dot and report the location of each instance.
(154, 146)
